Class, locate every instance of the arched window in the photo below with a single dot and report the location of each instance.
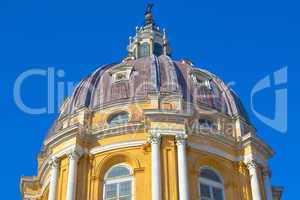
(118, 183)
(144, 50)
(211, 186)
(158, 49)
(118, 118)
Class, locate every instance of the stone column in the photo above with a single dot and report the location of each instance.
(72, 175)
(156, 169)
(254, 181)
(182, 167)
(54, 167)
(267, 184)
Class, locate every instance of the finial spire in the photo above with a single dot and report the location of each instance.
(148, 14)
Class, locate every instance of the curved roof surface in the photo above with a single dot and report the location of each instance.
(149, 75)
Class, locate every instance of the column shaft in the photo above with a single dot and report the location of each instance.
(72, 176)
(182, 169)
(254, 181)
(53, 179)
(156, 169)
(268, 186)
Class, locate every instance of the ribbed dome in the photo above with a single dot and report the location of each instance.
(150, 75)
(149, 72)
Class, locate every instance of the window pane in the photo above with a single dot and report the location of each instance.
(158, 50)
(125, 188)
(209, 174)
(205, 124)
(144, 50)
(204, 191)
(118, 171)
(217, 193)
(125, 198)
(111, 191)
(120, 118)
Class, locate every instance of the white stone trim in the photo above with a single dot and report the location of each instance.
(213, 150)
(166, 132)
(156, 189)
(130, 177)
(109, 147)
(182, 167)
(61, 153)
(221, 153)
(45, 184)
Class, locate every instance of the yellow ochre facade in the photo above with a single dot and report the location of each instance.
(152, 128)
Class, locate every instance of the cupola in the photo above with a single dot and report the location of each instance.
(149, 39)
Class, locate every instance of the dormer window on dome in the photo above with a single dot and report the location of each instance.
(121, 73)
(201, 80)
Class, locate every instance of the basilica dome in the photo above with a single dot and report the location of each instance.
(152, 128)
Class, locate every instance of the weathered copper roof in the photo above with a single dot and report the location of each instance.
(153, 74)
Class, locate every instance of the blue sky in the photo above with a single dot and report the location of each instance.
(240, 41)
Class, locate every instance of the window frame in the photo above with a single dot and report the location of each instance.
(210, 183)
(201, 80)
(118, 180)
(113, 115)
(209, 124)
(142, 50)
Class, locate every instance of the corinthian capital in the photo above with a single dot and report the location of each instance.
(53, 163)
(181, 139)
(73, 155)
(154, 139)
(251, 164)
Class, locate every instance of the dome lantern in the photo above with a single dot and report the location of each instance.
(149, 39)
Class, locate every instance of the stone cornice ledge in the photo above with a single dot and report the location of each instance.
(215, 151)
(100, 149)
(259, 144)
(126, 128)
(62, 133)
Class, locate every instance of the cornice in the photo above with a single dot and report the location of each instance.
(261, 147)
(108, 131)
(215, 151)
(126, 144)
(61, 134)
